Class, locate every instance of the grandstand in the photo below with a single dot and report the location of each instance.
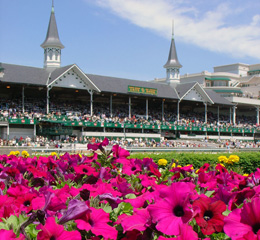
(57, 102)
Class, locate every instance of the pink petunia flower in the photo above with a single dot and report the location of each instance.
(97, 221)
(52, 230)
(10, 235)
(244, 222)
(173, 209)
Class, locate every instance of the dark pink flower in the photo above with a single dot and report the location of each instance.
(173, 209)
(245, 221)
(99, 146)
(97, 221)
(51, 230)
(209, 218)
(76, 209)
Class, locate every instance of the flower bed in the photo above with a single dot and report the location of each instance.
(107, 195)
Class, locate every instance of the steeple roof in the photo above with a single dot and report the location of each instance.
(52, 37)
(173, 61)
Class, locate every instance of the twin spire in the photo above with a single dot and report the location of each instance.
(173, 65)
(52, 45)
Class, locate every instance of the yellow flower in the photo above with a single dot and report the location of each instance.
(174, 165)
(17, 153)
(245, 174)
(222, 159)
(25, 154)
(54, 154)
(162, 162)
(197, 171)
(80, 155)
(12, 153)
(233, 158)
(222, 165)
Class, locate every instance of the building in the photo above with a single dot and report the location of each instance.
(175, 94)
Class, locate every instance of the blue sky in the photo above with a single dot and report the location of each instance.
(131, 38)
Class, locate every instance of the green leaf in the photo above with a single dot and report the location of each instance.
(209, 193)
(130, 196)
(31, 231)
(226, 212)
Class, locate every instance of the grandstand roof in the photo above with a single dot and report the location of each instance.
(39, 76)
(120, 85)
(216, 98)
(24, 74)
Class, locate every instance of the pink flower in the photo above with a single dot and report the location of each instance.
(10, 235)
(52, 230)
(97, 221)
(119, 153)
(97, 146)
(140, 220)
(173, 208)
(244, 222)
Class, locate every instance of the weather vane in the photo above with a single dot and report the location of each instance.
(172, 28)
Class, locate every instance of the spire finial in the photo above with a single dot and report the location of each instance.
(52, 7)
(172, 28)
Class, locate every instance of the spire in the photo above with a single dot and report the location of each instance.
(173, 61)
(52, 37)
(52, 45)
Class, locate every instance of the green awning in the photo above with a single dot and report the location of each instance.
(227, 90)
(254, 71)
(217, 78)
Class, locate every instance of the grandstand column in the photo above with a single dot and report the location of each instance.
(8, 131)
(218, 115)
(47, 101)
(146, 108)
(129, 115)
(257, 115)
(178, 111)
(34, 131)
(91, 102)
(206, 115)
(163, 109)
(23, 98)
(111, 105)
(230, 113)
(234, 114)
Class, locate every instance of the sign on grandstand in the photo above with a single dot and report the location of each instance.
(143, 90)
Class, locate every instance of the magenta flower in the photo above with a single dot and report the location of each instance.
(241, 223)
(132, 167)
(173, 209)
(97, 221)
(10, 235)
(52, 230)
(119, 153)
(99, 146)
(140, 220)
(186, 233)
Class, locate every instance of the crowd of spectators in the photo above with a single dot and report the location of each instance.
(71, 142)
(80, 111)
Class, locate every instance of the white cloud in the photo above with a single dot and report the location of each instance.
(208, 29)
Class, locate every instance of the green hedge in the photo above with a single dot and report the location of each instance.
(248, 161)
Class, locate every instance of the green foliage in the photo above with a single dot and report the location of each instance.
(248, 163)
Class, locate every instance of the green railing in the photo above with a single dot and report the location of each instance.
(171, 127)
